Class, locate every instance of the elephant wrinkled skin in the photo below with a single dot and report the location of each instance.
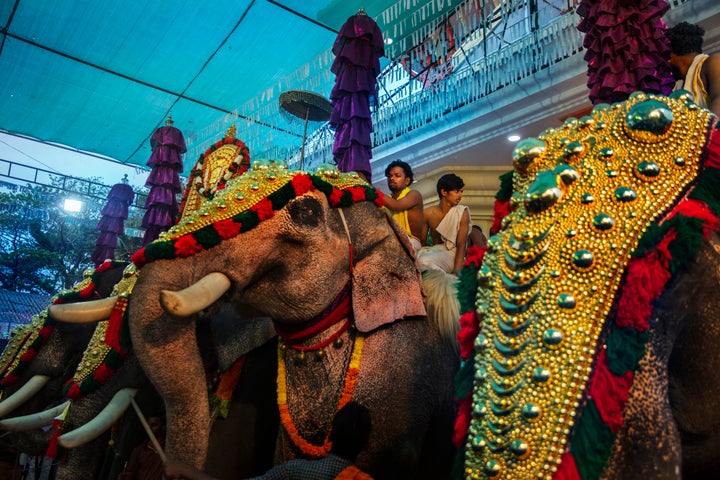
(290, 267)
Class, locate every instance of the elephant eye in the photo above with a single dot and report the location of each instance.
(306, 212)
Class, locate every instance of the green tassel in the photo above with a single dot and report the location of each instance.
(281, 197)
(592, 442)
(464, 379)
(207, 237)
(160, 250)
(625, 348)
(506, 187)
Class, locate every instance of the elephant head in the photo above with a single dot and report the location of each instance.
(595, 317)
(292, 247)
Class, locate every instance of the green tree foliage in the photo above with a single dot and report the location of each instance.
(43, 248)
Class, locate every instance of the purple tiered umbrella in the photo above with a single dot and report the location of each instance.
(626, 48)
(112, 222)
(357, 50)
(162, 207)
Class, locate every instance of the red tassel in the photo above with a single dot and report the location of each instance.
(462, 422)
(112, 334)
(87, 291)
(610, 393)
(567, 469)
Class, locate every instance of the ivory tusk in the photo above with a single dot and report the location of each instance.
(102, 421)
(196, 297)
(23, 394)
(83, 312)
(34, 420)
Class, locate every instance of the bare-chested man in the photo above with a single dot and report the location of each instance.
(449, 224)
(406, 205)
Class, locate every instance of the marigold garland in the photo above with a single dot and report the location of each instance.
(228, 381)
(316, 451)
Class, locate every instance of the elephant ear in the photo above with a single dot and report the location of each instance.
(386, 282)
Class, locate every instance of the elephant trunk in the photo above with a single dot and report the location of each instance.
(166, 346)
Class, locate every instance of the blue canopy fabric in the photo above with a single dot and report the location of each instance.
(102, 76)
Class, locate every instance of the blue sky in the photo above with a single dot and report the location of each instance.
(62, 161)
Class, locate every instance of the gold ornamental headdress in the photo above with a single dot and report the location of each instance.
(248, 200)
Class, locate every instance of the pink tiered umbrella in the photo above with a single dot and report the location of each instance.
(626, 48)
(357, 50)
(167, 145)
(112, 222)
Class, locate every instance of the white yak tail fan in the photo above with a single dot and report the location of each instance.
(442, 304)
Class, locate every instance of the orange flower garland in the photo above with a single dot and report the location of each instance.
(353, 473)
(316, 451)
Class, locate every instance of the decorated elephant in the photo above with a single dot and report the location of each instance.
(317, 255)
(591, 339)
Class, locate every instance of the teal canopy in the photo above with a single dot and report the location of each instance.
(102, 76)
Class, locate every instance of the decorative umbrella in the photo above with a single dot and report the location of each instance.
(112, 222)
(357, 50)
(307, 106)
(167, 145)
(626, 48)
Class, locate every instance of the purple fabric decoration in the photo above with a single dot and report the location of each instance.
(112, 222)
(168, 145)
(626, 48)
(357, 48)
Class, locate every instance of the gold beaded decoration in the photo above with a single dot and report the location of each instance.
(584, 195)
(242, 193)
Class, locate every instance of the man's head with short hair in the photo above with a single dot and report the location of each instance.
(449, 182)
(685, 38)
(404, 165)
(350, 431)
(399, 176)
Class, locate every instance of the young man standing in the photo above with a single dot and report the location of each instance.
(405, 205)
(695, 71)
(449, 224)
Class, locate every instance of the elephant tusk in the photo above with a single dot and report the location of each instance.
(34, 420)
(23, 394)
(102, 421)
(196, 297)
(83, 312)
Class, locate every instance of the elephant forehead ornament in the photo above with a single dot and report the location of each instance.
(584, 194)
(248, 200)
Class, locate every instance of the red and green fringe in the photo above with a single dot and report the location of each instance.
(502, 201)
(469, 328)
(29, 353)
(87, 293)
(117, 337)
(68, 296)
(211, 235)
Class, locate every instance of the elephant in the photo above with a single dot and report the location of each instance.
(336, 275)
(591, 337)
(44, 375)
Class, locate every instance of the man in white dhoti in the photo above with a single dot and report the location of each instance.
(449, 225)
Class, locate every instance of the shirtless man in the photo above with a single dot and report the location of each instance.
(449, 224)
(695, 71)
(405, 205)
